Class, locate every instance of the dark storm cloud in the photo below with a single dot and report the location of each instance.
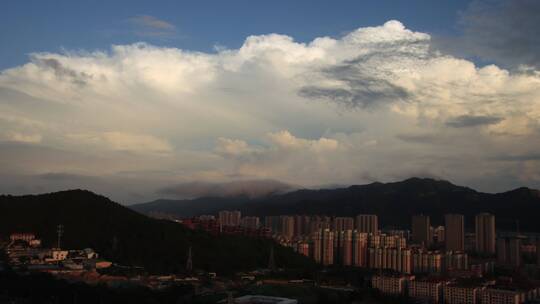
(361, 92)
(506, 32)
(250, 188)
(361, 89)
(365, 83)
(62, 72)
(465, 121)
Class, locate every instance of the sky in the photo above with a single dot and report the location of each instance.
(138, 100)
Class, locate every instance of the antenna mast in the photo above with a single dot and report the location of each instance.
(60, 232)
(271, 261)
(189, 262)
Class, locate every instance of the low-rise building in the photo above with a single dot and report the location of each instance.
(461, 294)
(500, 296)
(22, 237)
(256, 299)
(427, 290)
(57, 255)
(391, 284)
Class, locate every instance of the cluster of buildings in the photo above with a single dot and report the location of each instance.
(441, 264)
(24, 252)
(358, 241)
(229, 223)
(457, 291)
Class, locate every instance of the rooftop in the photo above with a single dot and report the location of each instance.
(257, 299)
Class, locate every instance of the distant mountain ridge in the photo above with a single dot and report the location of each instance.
(248, 188)
(128, 237)
(394, 202)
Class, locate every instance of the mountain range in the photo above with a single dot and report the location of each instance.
(394, 203)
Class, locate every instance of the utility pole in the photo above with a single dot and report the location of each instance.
(189, 262)
(60, 231)
(114, 246)
(271, 261)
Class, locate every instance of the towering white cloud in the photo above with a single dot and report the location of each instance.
(378, 103)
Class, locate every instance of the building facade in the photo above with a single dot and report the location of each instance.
(395, 285)
(427, 291)
(368, 223)
(485, 233)
(229, 218)
(454, 227)
(455, 294)
(421, 230)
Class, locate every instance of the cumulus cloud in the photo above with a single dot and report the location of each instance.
(378, 103)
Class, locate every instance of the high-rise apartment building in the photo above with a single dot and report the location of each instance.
(314, 224)
(395, 259)
(250, 222)
(301, 225)
(456, 260)
(359, 248)
(385, 240)
(538, 251)
(514, 251)
(502, 250)
(316, 246)
(421, 230)
(427, 262)
(345, 247)
(454, 227)
(327, 247)
(343, 223)
(367, 223)
(319, 222)
(287, 226)
(273, 223)
(509, 251)
(485, 233)
(229, 218)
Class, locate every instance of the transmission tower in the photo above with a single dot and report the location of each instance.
(189, 262)
(60, 233)
(271, 261)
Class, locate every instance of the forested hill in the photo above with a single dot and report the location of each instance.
(128, 237)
